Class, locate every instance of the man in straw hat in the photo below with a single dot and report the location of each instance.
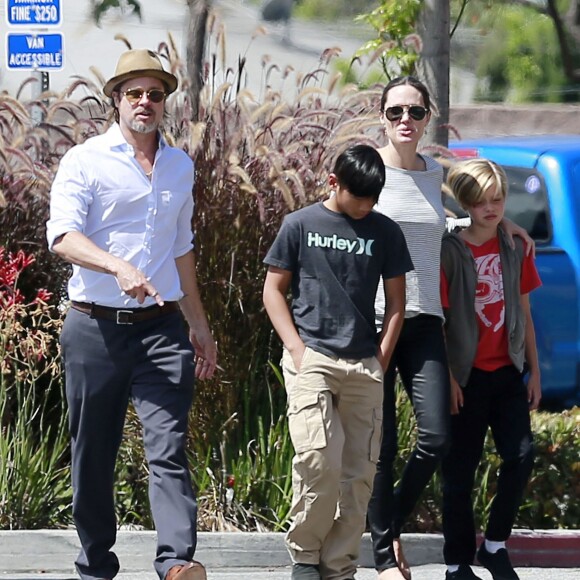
(120, 212)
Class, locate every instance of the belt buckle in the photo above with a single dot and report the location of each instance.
(125, 317)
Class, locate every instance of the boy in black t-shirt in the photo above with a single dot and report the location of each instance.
(332, 255)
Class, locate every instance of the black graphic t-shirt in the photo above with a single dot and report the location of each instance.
(336, 264)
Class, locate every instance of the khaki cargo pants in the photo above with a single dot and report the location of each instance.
(335, 420)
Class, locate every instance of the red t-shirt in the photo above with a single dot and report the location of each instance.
(492, 349)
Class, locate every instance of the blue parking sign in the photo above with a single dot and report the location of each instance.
(34, 51)
(33, 12)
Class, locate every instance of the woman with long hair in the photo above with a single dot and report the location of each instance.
(412, 198)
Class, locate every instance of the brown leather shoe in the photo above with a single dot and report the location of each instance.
(191, 571)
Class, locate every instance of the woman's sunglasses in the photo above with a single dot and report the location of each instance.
(416, 112)
(135, 95)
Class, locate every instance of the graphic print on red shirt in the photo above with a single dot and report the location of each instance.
(492, 350)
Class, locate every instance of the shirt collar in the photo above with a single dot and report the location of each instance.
(117, 140)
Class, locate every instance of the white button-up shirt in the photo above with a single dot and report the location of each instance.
(101, 191)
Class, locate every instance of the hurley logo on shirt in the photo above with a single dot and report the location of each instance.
(358, 246)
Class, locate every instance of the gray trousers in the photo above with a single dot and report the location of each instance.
(150, 363)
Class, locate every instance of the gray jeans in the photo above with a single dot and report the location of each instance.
(106, 365)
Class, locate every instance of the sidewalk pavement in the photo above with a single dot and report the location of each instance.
(49, 554)
(428, 572)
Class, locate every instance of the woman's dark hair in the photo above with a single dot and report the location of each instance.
(411, 81)
(361, 170)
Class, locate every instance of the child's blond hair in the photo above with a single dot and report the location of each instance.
(469, 180)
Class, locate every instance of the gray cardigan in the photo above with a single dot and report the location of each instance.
(461, 330)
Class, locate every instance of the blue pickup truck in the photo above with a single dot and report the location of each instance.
(544, 198)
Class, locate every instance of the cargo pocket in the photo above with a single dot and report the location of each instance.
(376, 435)
(306, 421)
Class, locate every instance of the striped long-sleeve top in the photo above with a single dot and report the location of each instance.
(413, 200)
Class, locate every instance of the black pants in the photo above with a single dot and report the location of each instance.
(496, 399)
(106, 365)
(421, 361)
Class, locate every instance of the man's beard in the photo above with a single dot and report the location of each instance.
(143, 127)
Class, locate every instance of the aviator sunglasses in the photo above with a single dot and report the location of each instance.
(135, 95)
(416, 112)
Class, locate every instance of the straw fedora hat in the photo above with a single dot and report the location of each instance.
(139, 63)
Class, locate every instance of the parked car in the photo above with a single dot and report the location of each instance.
(544, 198)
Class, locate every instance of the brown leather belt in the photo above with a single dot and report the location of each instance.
(125, 315)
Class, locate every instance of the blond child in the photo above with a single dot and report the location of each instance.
(490, 337)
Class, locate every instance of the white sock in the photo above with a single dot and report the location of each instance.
(452, 568)
(493, 547)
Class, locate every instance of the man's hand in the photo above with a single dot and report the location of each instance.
(76, 248)
(205, 354)
(134, 283)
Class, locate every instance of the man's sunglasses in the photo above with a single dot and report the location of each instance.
(416, 112)
(135, 95)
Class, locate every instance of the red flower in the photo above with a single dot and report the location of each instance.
(43, 295)
(11, 266)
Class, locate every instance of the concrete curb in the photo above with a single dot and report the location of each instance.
(53, 551)
(560, 548)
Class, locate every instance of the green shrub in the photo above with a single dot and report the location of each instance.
(34, 461)
(248, 489)
(550, 499)
(242, 484)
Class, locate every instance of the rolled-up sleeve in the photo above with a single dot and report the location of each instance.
(184, 239)
(70, 198)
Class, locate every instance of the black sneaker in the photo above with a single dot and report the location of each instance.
(463, 573)
(498, 564)
(305, 572)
